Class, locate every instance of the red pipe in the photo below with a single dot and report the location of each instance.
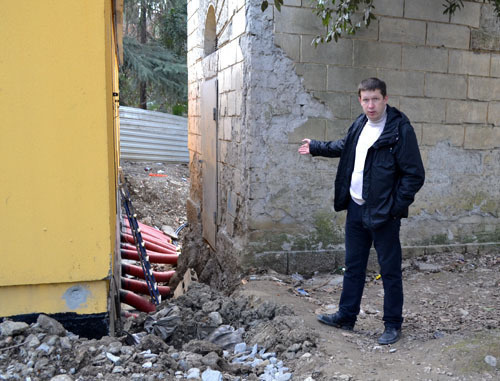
(142, 287)
(137, 272)
(136, 301)
(150, 246)
(153, 240)
(128, 246)
(163, 241)
(150, 230)
(153, 258)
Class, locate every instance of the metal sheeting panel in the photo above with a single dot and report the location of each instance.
(152, 136)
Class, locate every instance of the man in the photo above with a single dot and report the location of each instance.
(379, 172)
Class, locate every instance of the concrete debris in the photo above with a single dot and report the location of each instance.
(12, 328)
(427, 267)
(52, 326)
(491, 361)
(201, 335)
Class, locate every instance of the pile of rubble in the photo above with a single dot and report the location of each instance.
(201, 335)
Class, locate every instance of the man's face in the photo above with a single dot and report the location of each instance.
(373, 103)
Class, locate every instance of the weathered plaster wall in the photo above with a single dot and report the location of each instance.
(275, 206)
(449, 91)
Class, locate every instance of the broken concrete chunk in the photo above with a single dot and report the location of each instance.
(51, 326)
(427, 267)
(12, 328)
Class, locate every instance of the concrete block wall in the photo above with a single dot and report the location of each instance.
(275, 206)
(443, 77)
(226, 64)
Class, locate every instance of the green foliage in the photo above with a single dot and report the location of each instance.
(345, 17)
(339, 17)
(160, 62)
(451, 6)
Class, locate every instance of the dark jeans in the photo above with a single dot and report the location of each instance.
(358, 241)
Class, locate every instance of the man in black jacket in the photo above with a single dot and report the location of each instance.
(379, 172)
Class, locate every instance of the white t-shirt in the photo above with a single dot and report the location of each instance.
(371, 132)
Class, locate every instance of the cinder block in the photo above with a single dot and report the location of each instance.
(232, 203)
(339, 53)
(226, 127)
(290, 43)
(494, 113)
(194, 55)
(470, 15)
(430, 10)
(448, 35)
(194, 107)
(425, 59)
(222, 154)
(192, 8)
(466, 112)
(356, 109)
(347, 78)
(224, 78)
(313, 128)
(467, 62)
(336, 129)
(194, 143)
(482, 137)
(231, 103)
(297, 21)
(418, 128)
(484, 88)
(237, 77)
(227, 56)
(238, 103)
(294, 3)
(409, 83)
(339, 103)
(367, 53)
(424, 109)
(495, 65)
(365, 33)
(193, 23)
(402, 30)
(194, 125)
(389, 7)
(314, 76)
(435, 133)
(482, 40)
(238, 24)
(445, 86)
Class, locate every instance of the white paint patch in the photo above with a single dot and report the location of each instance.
(76, 297)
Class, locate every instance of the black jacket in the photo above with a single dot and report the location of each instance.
(393, 171)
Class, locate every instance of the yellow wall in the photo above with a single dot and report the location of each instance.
(57, 151)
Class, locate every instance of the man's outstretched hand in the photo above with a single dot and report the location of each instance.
(304, 148)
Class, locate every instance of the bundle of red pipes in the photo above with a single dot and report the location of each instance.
(159, 249)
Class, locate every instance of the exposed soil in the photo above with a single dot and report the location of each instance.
(451, 329)
(452, 310)
(158, 191)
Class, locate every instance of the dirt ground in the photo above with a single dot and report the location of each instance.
(158, 191)
(451, 323)
(452, 304)
(266, 330)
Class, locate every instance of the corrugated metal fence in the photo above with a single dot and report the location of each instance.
(152, 136)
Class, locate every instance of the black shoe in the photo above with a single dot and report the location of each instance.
(337, 321)
(390, 336)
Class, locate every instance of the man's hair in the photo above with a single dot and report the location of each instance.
(372, 84)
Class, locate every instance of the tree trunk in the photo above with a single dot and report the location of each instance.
(142, 30)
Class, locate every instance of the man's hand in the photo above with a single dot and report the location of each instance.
(304, 148)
